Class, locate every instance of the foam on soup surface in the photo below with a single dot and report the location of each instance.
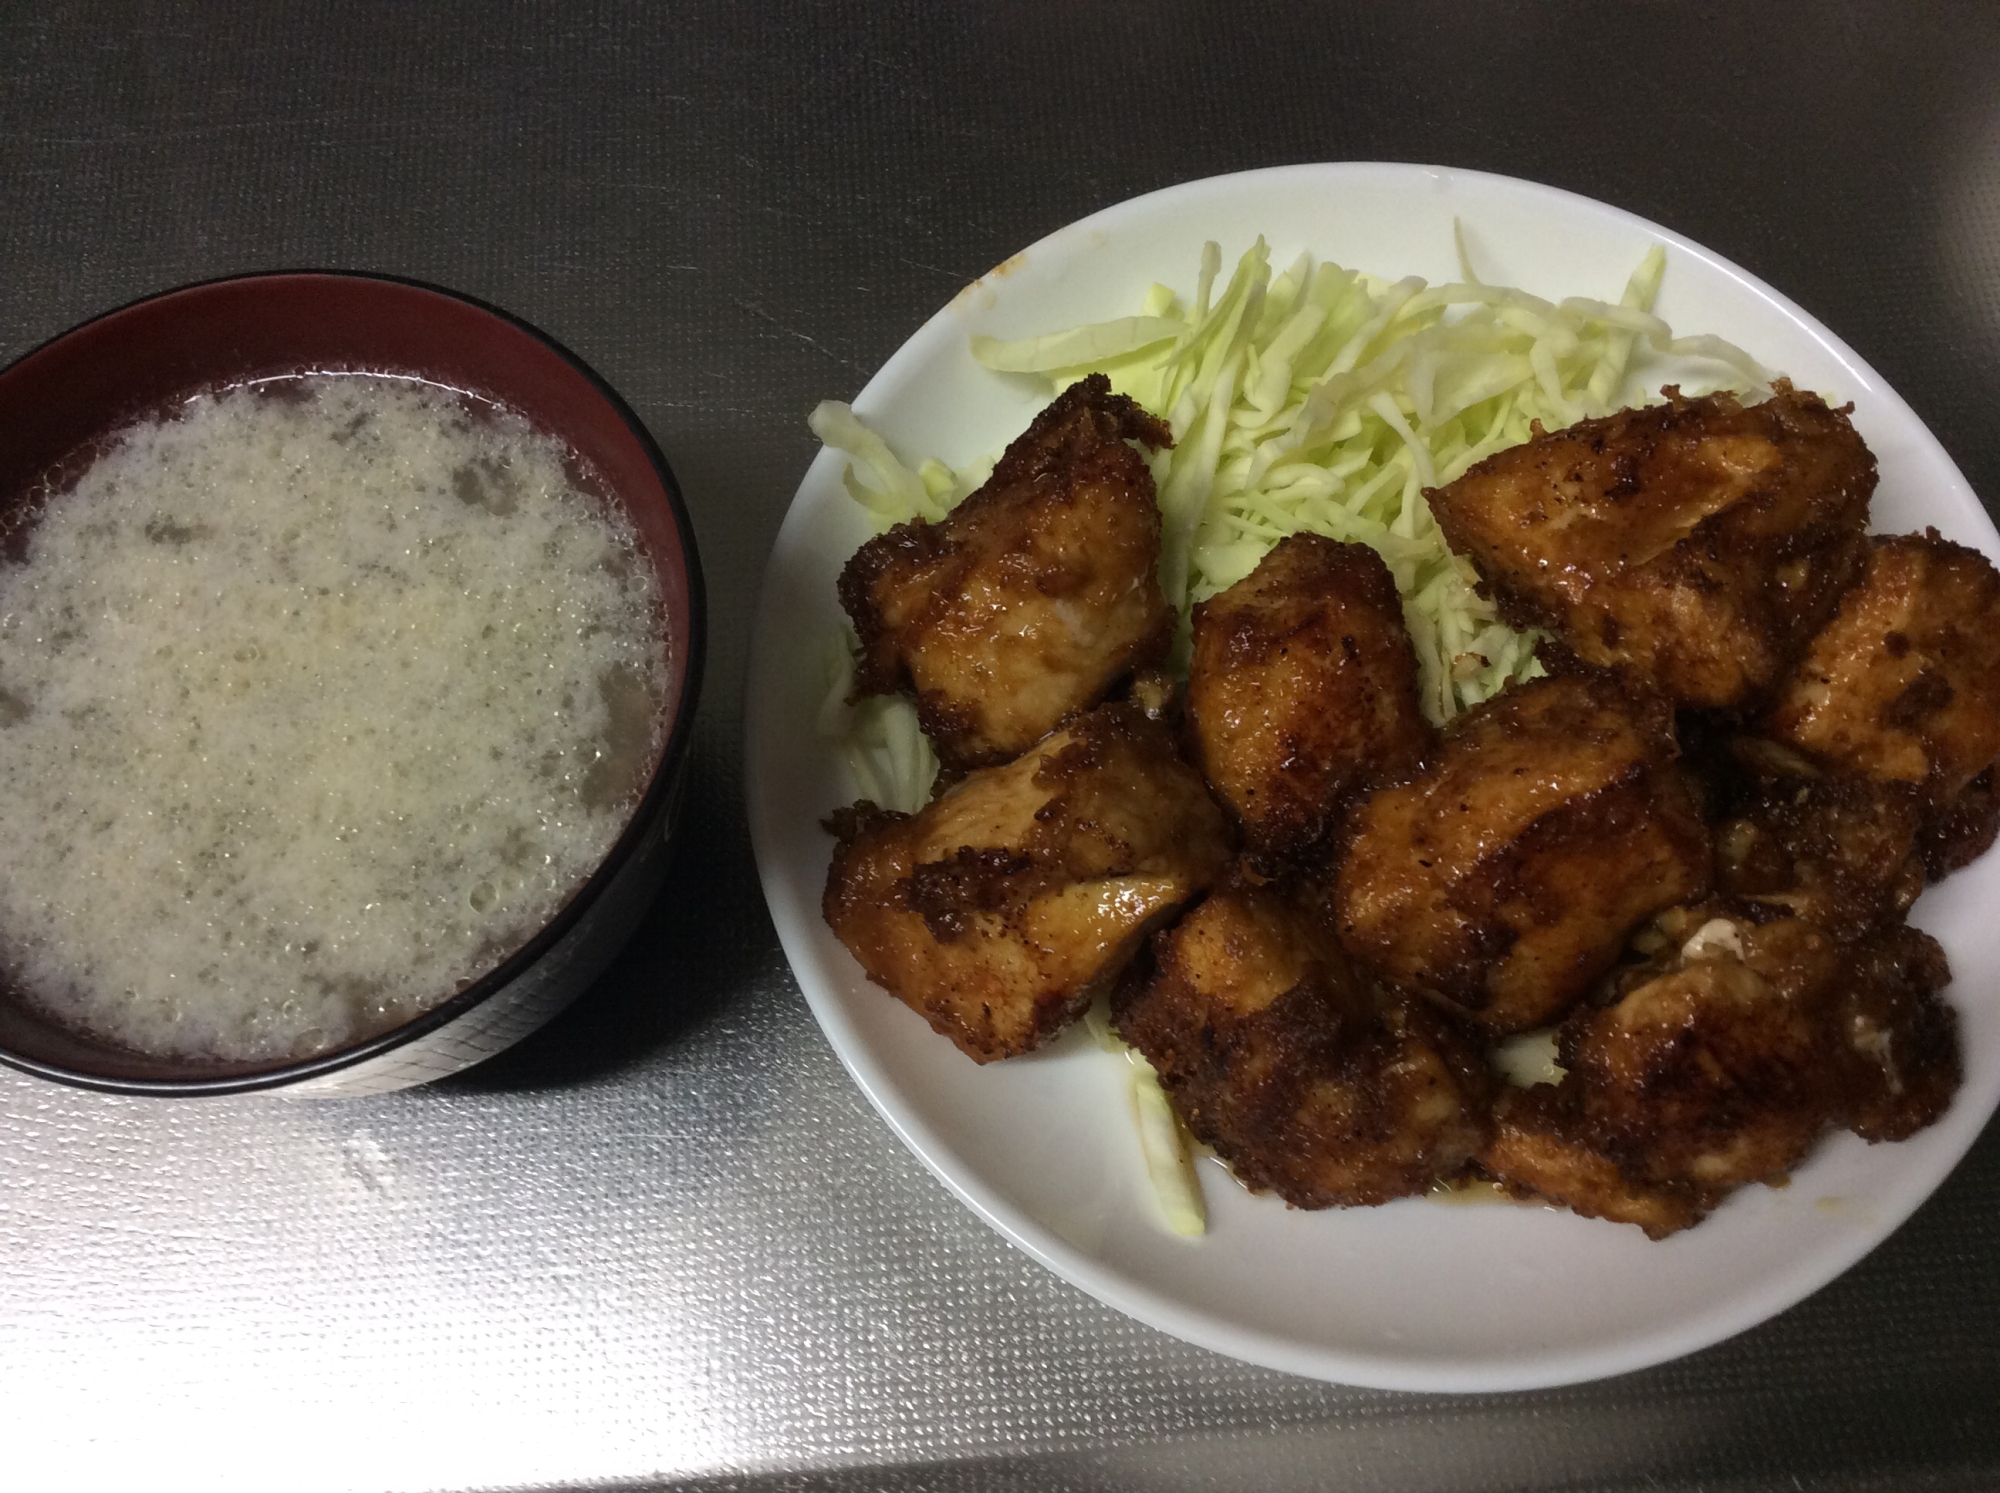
(316, 697)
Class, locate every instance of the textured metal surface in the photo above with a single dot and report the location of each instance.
(665, 1241)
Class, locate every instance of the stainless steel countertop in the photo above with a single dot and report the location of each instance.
(666, 1242)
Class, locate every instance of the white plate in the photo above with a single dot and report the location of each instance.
(1419, 1294)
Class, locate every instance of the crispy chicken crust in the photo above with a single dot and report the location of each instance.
(1542, 1149)
(1276, 1051)
(1031, 599)
(1698, 542)
(1903, 684)
(1956, 835)
(998, 911)
(1506, 876)
(1302, 687)
(1902, 1035)
(1842, 854)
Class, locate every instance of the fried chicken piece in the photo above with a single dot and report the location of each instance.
(998, 911)
(1903, 684)
(1507, 875)
(1722, 1066)
(1275, 1051)
(1032, 598)
(1841, 853)
(1724, 1061)
(1541, 1148)
(1302, 686)
(1698, 542)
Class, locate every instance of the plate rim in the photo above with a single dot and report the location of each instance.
(1110, 1283)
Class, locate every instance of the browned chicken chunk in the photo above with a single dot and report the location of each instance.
(1542, 1148)
(1302, 686)
(1726, 1060)
(1721, 1065)
(1307, 1081)
(998, 911)
(1033, 597)
(1507, 875)
(1903, 684)
(1697, 542)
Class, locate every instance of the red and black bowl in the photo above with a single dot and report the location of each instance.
(59, 401)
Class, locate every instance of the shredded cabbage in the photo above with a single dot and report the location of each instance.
(1323, 399)
(1319, 400)
(878, 480)
(887, 756)
(1164, 1143)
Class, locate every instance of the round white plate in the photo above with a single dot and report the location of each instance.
(1419, 1294)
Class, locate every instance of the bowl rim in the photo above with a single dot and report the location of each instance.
(643, 820)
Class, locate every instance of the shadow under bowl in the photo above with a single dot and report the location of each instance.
(60, 401)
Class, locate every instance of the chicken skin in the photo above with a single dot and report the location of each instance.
(1302, 686)
(1903, 684)
(1032, 598)
(999, 910)
(1507, 875)
(1308, 1082)
(1699, 542)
